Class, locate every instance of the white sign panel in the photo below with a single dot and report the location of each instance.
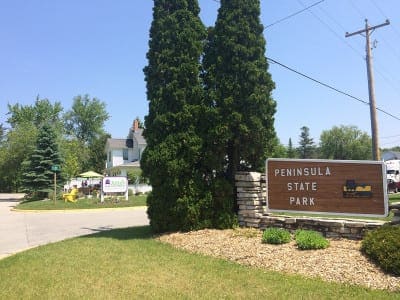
(115, 184)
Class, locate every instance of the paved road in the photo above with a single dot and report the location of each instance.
(23, 230)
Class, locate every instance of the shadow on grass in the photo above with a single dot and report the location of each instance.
(129, 233)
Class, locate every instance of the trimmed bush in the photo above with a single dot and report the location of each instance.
(276, 236)
(309, 239)
(382, 245)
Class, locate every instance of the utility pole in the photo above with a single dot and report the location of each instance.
(372, 106)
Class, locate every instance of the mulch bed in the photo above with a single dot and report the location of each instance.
(341, 262)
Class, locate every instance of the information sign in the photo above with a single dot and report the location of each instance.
(327, 186)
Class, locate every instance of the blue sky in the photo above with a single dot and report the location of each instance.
(60, 49)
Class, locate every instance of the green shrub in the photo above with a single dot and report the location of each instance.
(276, 236)
(309, 239)
(382, 245)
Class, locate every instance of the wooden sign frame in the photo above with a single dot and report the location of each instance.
(337, 187)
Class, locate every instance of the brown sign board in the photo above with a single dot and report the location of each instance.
(327, 186)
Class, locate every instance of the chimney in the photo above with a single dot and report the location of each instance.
(135, 125)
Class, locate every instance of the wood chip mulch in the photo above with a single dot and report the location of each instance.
(341, 262)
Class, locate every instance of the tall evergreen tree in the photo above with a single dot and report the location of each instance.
(238, 92)
(306, 147)
(174, 93)
(38, 176)
(291, 152)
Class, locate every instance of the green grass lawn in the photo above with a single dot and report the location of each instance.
(129, 264)
(394, 197)
(83, 203)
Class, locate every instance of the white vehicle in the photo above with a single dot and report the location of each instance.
(393, 175)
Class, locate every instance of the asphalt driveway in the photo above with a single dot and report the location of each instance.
(23, 230)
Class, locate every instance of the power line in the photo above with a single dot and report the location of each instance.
(292, 15)
(334, 32)
(389, 137)
(331, 87)
(383, 14)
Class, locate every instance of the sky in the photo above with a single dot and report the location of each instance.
(60, 49)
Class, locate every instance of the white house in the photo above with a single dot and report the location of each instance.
(125, 154)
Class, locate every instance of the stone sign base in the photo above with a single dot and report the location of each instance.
(251, 199)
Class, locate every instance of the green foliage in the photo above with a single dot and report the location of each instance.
(172, 157)
(291, 152)
(38, 178)
(273, 235)
(74, 154)
(306, 147)
(17, 143)
(97, 156)
(238, 90)
(382, 245)
(135, 176)
(237, 125)
(308, 239)
(85, 120)
(42, 112)
(345, 142)
(17, 147)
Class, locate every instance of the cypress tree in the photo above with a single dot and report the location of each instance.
(238, 88)
(38, 177)
(174, 92)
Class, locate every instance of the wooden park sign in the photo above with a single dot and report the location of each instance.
(327, 186)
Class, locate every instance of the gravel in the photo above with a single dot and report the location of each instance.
(341, 262)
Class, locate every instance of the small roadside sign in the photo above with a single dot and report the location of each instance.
(55, 168)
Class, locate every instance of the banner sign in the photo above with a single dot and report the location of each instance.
(117, 184)
(327, 186)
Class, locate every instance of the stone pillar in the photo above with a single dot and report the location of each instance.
(250, 197)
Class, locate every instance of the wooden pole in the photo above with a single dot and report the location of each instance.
(372, 106)
(55, 187)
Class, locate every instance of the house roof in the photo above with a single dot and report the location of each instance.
(120, 143)
(138, 135)
(132, 164)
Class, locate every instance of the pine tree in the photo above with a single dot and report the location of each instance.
(291, 152)
(238, 87)
(174, 92)
(307, 147)
(38, 177)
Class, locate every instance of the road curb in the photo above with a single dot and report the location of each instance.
(102, 209)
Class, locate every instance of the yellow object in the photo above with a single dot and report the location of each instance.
(71, 196)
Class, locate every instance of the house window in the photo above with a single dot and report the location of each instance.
(109, 156)
(125, 154)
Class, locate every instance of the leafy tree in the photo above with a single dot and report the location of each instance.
(291, 152)
(174, 93)
(279, 150)
(42, 112)
(17, 147)
(345, 142)
(74, 154)
(2, 132)
(38, 176)
(97, 156)
(86, 119)
(240, 131)
(307, 147)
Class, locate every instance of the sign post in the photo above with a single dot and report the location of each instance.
(327, 186)
(55, 169)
